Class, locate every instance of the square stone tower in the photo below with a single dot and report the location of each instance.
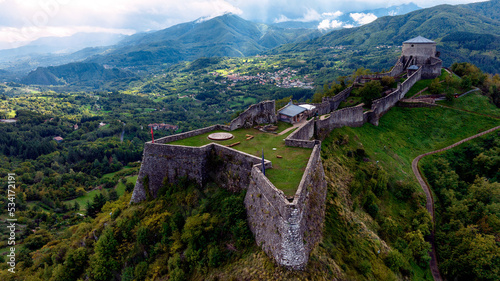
(421, 52)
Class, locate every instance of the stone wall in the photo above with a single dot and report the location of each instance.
(415, 103)
(382, 105)
(408, 83)
(230, 168)
(302, 136)
(350, 116)
(288, 231)
(397, 69)
(432, 68)
(335, 101)
(261, 113)
(189, 134)
(171, 161)
(329, 104)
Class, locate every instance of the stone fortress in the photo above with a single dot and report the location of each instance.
(286, 229)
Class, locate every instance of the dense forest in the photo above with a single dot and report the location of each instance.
(466, 183)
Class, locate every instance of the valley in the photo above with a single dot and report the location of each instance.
(76, 133)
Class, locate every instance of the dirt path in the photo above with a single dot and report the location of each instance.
(430, 201)
(296, 125)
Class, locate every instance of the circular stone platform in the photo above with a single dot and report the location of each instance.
(220, 136)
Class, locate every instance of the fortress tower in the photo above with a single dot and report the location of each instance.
(421, 51)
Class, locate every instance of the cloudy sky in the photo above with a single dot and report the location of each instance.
(22, 21)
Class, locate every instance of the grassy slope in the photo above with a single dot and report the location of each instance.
(405, 133)
(287, 171)
(475, 102)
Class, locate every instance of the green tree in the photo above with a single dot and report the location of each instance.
(466, 83)
(418, 247)
(370, 91)
(103, 263)
(387, 81)
(435, 87)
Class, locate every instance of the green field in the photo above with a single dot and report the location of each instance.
(82, 201)
(286, 172)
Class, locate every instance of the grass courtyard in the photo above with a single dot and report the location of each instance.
(286, 172)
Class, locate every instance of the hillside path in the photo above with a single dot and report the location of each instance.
(430, 201)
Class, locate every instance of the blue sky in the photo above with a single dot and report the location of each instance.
(22, 21)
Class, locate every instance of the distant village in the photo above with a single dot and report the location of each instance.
(283, 78)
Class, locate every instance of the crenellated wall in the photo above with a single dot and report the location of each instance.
(261, 113)
(288, 231)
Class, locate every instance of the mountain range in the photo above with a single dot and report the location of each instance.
(445, 24)
(349, 19)
(463, 32)
(227, 35)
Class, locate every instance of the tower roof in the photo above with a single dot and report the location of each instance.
(419, 40)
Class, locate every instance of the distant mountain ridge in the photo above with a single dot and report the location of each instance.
(73, 73)
(346, 20)
(478, 20)
(227, 35)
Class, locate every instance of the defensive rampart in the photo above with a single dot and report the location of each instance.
(350, 116)
(226, 166)
(432, 68)
(261, 113)
(382, 105)
(288, 231)
(397, 69)
(189, 134)
(334, 102)
(302, 136)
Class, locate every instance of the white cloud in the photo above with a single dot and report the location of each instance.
(32, 19)
(332, 15)
(348, 26)
(282, 18)
(329, 24)
(141, 15)
(363, 18)
(308, 16)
